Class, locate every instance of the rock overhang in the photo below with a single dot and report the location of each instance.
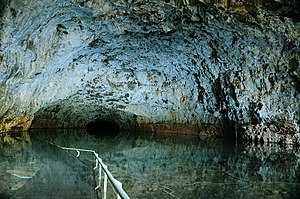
(164, 69)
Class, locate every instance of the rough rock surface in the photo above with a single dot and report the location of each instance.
(150, 66)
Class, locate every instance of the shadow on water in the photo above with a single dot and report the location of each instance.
(158, 166)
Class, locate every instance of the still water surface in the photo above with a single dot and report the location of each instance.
(148, 167)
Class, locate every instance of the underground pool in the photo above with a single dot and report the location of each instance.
(149, 166)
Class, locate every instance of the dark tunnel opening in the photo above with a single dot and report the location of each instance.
(102, 128)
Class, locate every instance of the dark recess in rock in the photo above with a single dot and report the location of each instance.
(228, 126)
(288, 8)
(253, 112)
(201, 89)
(102, 128)
(3, 4)
(218, 93)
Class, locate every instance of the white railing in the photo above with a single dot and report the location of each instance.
(116, 185)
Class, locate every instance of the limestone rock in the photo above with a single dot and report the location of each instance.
(148, 65)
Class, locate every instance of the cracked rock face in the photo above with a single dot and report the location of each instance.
(150, 66)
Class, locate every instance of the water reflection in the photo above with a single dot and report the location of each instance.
(161, 167)
(17, 162)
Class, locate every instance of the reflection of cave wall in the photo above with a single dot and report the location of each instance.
(154, 66)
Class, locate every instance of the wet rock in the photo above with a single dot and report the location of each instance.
(150, 66)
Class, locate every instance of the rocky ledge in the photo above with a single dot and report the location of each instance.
(212, 68)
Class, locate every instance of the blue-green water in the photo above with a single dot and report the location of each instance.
(152, 166)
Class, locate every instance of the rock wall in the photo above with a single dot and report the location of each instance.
(158, 66)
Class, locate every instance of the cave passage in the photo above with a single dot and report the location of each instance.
(102, 128)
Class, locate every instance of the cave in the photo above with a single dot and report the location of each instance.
(204, 91)
(102, 128)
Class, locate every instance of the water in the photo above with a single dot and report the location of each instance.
(148, 166)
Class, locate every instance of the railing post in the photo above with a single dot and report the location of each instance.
(100, 172)
(120, 185)
(98, 165)
(105, 183)
(116, 185)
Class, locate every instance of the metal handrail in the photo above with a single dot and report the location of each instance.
(116, 185)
